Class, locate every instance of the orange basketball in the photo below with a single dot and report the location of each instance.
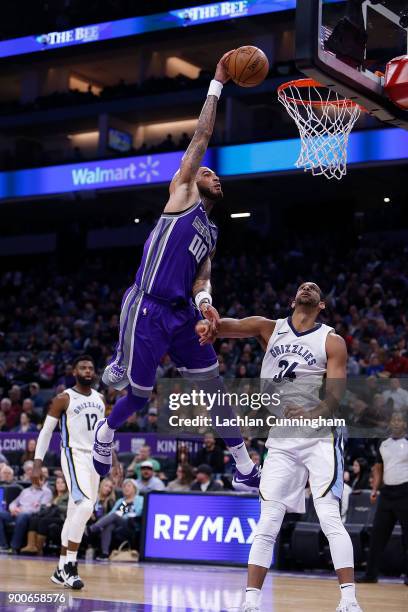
(248, 66)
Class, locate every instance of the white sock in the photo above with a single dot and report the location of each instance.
(62, 561)
(105, 433)
(71, 556)
(242, 459)
(253, 596)
(348, 591)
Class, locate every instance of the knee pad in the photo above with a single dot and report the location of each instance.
(266, 532)
(76, 523)
(341, 548)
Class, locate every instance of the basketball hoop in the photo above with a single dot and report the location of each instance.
(324, 120)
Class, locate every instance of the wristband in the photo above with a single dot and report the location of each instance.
(215, 88)
(202, 296)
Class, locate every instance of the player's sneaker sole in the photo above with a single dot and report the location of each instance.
(102, 453)
(115, 376)
(57, 578)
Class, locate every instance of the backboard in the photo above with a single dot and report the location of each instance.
(346, 44)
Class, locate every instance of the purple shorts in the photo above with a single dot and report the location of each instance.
(148, 330)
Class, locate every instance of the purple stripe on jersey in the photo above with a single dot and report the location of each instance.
(152, 255)
(119, 349)
(157, 252)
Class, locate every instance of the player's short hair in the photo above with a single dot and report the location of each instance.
(83, 358)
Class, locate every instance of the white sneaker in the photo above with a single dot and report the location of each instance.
(71, 577)
(250, 608)
(348, 606)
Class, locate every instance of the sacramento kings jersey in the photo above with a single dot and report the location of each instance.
(78, 421)
(174, 252)
(294, 364)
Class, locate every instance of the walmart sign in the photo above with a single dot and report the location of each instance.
(371, 146)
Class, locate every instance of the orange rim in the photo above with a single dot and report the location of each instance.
(307, 83)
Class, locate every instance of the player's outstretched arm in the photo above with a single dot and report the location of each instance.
(202, 294)
(250, 327)
(58, 405)
(181, 185)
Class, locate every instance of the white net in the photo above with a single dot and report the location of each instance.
(324, 120)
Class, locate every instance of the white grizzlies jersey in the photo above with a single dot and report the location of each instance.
(294, 364)
(78, 421)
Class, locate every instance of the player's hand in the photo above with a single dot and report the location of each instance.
(221, 72)
(205, 334)
(36, 474)
(211, 314)
(373, 496)
(294, 412)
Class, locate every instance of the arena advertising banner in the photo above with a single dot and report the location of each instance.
(207, 527)
(179, 18)
(366, 147)
(161, 446)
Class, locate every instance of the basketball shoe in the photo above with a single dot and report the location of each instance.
(348, 606)
(57, 578)
(70, 576)
(102, 453)
(250, 608)
(115, 375)
(247, 482)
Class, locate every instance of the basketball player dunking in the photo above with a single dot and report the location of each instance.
(158, 315)
(298, 353)
(77, 410)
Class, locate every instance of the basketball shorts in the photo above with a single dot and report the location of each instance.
(80, 475)
(291, 462)
(148, 330)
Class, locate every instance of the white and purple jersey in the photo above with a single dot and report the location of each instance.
(174, 252)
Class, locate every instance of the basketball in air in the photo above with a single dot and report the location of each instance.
(248, 66)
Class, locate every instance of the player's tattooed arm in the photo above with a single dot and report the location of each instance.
(250, 327)
(192, 158)
(203, 283)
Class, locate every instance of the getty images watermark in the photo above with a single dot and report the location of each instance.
(251, 401)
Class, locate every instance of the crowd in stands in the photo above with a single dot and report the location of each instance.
(46, 319)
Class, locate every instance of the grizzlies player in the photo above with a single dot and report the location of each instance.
(77, 410)
(158, 315)
(298, 353)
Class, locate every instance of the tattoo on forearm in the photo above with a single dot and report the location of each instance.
(202, 134)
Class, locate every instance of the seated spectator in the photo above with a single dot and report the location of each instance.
(151, 425)
(143, 455)
(28, 409)
(131, 424)
(360, 474)
(148, 481)
(28, 502)
(397, 364)
(3, 421)
(7, 474)
(28, 455)
(121, 519)
(397, 394)
(12, 412)
(48, 520)
(210, 454)
(184, 479)
(25, 424)
(34, 390)
(255, 456)
(27, 471)
(106, 499)
(204, 481)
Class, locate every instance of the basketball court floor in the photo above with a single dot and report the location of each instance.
(185, 588)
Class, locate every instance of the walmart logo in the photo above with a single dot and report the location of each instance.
(147, 169)
(143, 172)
